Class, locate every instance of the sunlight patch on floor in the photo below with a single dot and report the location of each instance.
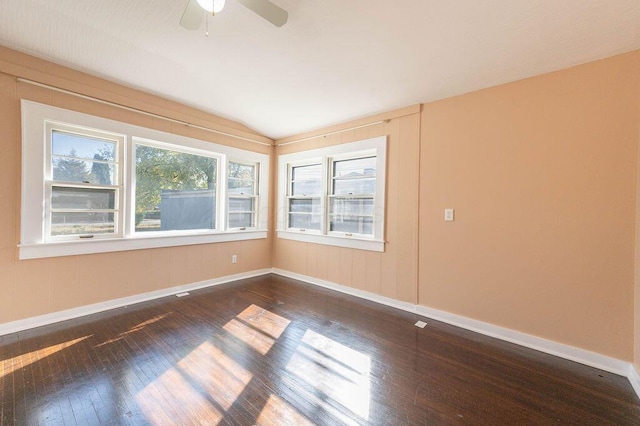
(171, 389)
(264, 320)
(8, 366)
(257, 327)
(337, 374)
(135, 328)
(279, 412)
(216, 373)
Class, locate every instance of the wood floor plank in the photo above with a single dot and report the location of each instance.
(271, 350)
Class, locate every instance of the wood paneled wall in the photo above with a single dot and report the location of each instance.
(393, 273)
(40, 286)
(542, 174)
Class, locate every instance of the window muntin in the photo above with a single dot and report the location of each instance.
(304, 200)
(175, 190)
(81, 184)
(351, 197)
(242, 194)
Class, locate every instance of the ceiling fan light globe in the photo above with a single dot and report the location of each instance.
(214, 6)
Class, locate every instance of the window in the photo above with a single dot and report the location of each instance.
(304, 200)
(92, 185)
(334, 195)
(175, 190)
(242, 190)
(82, 177)
(352, 194)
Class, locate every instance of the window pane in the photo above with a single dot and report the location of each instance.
(352, 206)
(354, 186)
(64, 223)
(83, 198)
(241, 171)
(241, 204)
(240, 220)
(80, 146)
(352, 224)
(357, 168)
(239, 186)
(307, 180)
(305, 205)
(304, 220)
(241, 178)
(77, 158)
(356, 176)
(174, 190)
(73, 170)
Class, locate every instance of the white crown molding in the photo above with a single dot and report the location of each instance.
(25, 324)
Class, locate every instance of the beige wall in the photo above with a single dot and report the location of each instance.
(542, 174)
(637, 264)
(35, 287)
(393, 273)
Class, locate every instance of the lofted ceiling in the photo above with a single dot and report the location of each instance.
(334, 60)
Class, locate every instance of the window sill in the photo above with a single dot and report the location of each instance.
(333, 240)
(71, 248)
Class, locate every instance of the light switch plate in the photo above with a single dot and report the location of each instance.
(448, 215)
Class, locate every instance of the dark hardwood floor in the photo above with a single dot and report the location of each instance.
(271, 350)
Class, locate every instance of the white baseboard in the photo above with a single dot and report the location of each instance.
(20, 325)
(582, 356)
(634, 379)
(348, 290)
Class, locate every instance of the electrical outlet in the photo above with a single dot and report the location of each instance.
(234, 258)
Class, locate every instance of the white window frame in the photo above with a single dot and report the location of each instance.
(220, 207)
(255, 196)
(33, 241)
(331, 194)
(289, 193)
(369, 147)
(50, 127)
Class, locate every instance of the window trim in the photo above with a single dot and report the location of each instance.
(49, 127)
(34, 144)
(374, 146)
(220, 207)
(312, 161)
(255, 196)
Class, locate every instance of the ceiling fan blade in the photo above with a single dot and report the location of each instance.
(269, 11)
(192, 16)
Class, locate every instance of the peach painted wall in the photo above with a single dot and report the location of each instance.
(393, 273)
(637, 265)
(35, 287)
(542, 176)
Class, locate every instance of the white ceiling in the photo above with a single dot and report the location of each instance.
(334, 60)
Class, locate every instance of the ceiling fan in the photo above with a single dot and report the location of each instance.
(193, 13)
